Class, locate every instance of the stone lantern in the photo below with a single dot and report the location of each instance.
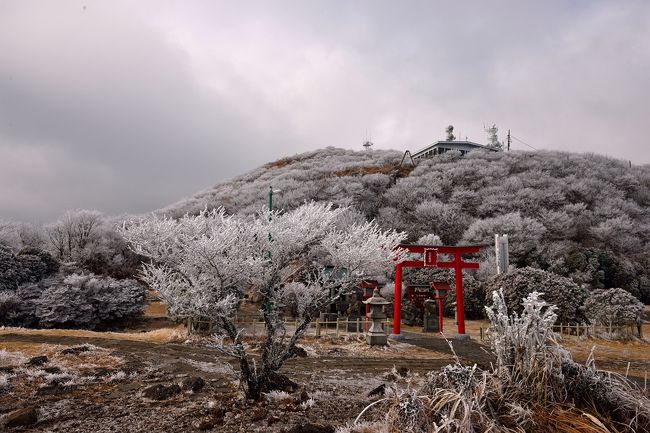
(376, 335)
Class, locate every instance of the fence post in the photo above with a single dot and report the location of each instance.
(318, 328)
(254, 322)
(337, 326)
(358, 326)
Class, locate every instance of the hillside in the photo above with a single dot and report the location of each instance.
(580, 215)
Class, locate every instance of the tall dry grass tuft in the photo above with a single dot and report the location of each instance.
(535, 386)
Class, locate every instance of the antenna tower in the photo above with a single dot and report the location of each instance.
(367, 144)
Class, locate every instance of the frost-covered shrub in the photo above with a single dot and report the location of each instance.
(473, 297)
(107, 253)
(560, 291)
(50, 264)
(533, 386)
(429, 239)
(521, 343)
(613, 306)
(28, 266)
(8, 303)
(524, 235)
(88, 301)
(4, 382)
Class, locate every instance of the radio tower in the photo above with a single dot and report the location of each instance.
(367, 144)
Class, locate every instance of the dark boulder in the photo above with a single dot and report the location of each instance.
(37, 360)
(22, 417)
(161, 392)
(193, 383)
(311, 428)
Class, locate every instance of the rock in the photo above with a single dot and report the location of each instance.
(402, 371)
(299, 352)
(37, 360)
(303, 397)
(311, 428)
(205, 424)
(56, 389)
(161, 392)
(379, 391)
(75, 350)
(52, 370)
(193, 383)
(103, 372)
(280, 382)
(259, 414)
(22, 417)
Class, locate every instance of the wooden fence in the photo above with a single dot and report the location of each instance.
(625, 331)
(316, 328)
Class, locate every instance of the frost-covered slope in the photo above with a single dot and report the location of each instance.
(581, 215)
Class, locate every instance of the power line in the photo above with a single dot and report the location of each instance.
(523, 142)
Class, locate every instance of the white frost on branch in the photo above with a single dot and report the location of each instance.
(203, 264)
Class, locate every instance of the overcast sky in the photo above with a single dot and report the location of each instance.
(128, 106)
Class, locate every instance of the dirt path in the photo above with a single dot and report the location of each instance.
(467, 350)
(337, 379)
(173, 357)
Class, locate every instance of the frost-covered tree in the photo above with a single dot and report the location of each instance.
(70, 235)
(18, 235)
(203, 264)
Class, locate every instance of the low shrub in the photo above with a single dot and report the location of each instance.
(533, 386)
(562, 292)
(75, 301)
(30, 265)
(613, 307)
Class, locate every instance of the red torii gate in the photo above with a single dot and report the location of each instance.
(430, 258)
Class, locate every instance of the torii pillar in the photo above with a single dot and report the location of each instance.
(430, 259)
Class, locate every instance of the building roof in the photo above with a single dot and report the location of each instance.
(455, 144)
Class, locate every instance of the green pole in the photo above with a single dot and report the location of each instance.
(270, 216)
(268, 306)
(270, 201)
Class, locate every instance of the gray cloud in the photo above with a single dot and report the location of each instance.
(126, 108)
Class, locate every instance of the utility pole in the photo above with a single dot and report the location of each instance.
(508, 140)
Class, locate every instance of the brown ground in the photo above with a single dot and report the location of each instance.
(102, 391)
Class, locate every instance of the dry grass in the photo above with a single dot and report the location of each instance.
(566, 419)
(155, 308)
(535, 386)
(281, 162)
(163, 335)
(16, 353)
(402, 171)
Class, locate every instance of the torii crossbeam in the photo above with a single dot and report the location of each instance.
(430, 258)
